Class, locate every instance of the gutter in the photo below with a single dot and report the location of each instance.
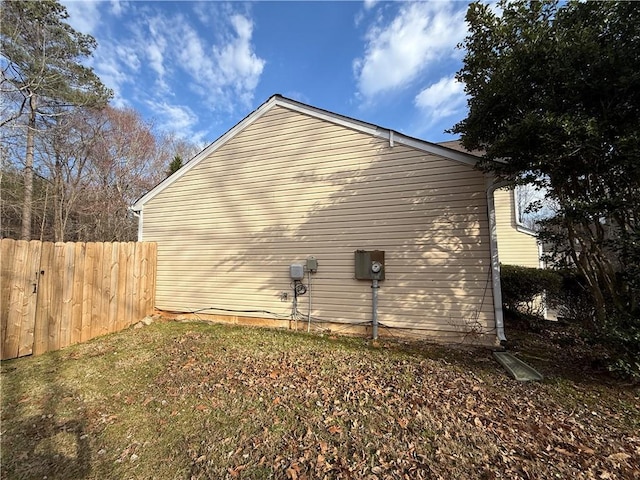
(495, 261)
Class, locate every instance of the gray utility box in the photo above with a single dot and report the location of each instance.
(296, 271)
(312, 264)
(364, 259)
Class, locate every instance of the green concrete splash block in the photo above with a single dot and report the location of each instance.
(517, 368)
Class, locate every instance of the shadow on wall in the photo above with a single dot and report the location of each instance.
(426, 213)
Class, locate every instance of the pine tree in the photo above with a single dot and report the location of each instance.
(175, 165)
(41, 70)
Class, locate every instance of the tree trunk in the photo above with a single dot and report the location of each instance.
(27, 204)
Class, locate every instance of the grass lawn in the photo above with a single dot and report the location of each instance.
(191, 401)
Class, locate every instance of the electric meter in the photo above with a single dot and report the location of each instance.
(376, 267)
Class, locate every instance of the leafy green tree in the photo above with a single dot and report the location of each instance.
(41, 71)
(554, 99)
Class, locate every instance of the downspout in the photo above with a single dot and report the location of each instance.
(495, 260)
(138, 215)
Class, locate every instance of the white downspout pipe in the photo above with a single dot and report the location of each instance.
(138, 215)
(495, 260)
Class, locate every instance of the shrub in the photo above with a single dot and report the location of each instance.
(528, 290)
(573, 300)
(566, 290)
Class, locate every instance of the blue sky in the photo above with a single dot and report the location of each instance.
(198, 68)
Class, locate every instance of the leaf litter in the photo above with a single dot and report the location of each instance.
(229, 402)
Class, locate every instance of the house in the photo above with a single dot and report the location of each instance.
(280, 219)
(517, 244)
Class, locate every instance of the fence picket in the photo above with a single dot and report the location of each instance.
(12, 301)
(79, 254)
(105, 284)
(56, 277)
(113, 289)
(68, 272)
(87, 291)
(131, 283)
(96, 291)
(122, 287)
(7, 255)
(43, 302)
(15, 297)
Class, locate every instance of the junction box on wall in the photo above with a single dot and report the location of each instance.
(296, 271)
(364, 264)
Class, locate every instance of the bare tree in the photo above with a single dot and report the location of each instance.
(533, 206)
(126, 161)
(65, 152)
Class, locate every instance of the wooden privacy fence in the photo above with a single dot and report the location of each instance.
(57, 294)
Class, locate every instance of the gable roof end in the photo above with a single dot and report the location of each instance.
(278, 100)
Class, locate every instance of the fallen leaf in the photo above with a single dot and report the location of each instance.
(563, 451)
(618, 456)
(335, 429)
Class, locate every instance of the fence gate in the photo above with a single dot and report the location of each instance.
(56, 294)
(20, 272)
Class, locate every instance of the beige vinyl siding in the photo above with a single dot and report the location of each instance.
(514, 247)
(291, 186)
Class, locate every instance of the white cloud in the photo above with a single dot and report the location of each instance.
(108, 65)
(179, 118)
(118, 7)
(155, 53)
(224, 69)
(239, 64)
(83, 16)
(442, 99)
(369, 4)
(396, 53)
(146, 54)
(128, 56)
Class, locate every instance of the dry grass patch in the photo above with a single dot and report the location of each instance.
(191, 401)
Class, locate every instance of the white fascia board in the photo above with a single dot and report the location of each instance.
(248, 120)
(328, 116)
(390, 135)
(434, 148)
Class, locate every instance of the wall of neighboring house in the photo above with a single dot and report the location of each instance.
(290, 186)
(515, 247)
